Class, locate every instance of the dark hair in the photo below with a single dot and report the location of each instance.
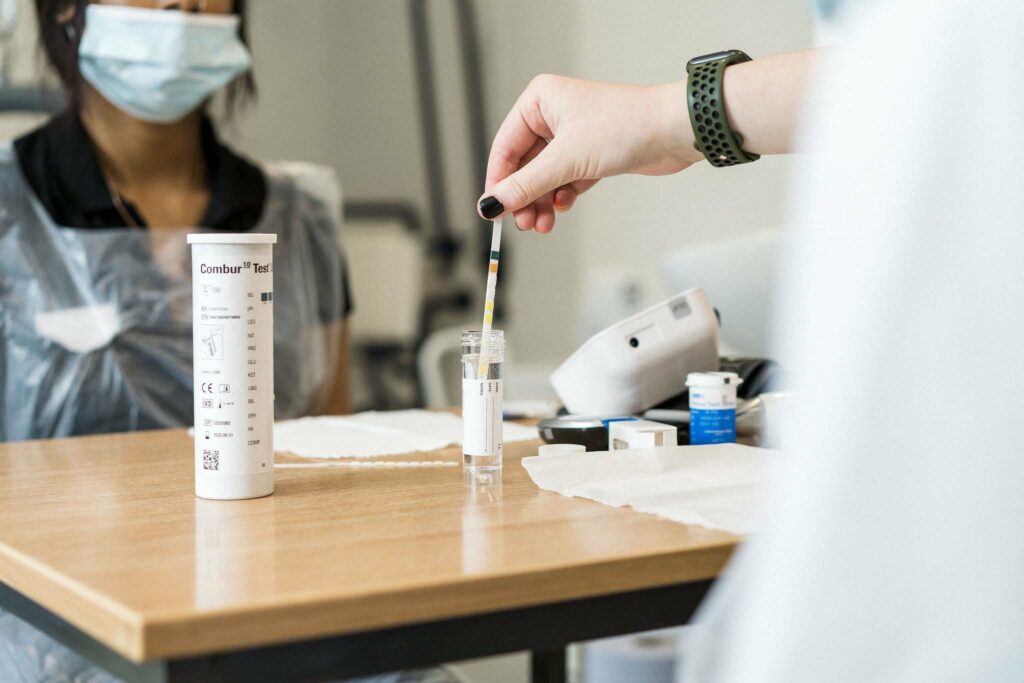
(59, 40)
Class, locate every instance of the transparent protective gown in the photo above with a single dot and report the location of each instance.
(96, 336)
(96, 326)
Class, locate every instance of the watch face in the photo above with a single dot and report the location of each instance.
(713, 57)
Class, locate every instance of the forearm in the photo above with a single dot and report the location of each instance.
(565, 134)
(763, 99)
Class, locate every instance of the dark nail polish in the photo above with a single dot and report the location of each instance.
(491, 207)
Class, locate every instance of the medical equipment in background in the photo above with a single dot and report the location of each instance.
(712, 407)
(643, 360)
(759, 422)
(589, 431)
(738, 273)
(482, 417)
(385, 335)
(450, 249)
(18, 98)
(233, 364)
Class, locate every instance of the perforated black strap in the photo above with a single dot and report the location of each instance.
(706, 105)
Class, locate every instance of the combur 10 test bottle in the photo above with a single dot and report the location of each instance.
(233, 359)
(482, 407)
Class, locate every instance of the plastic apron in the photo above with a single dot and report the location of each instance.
(96, 325)
(96, 336)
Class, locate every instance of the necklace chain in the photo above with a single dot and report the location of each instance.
(122, 210)
(118, 199)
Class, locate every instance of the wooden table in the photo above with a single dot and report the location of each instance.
(342, 572)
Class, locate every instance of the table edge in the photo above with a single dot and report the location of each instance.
(141, 638)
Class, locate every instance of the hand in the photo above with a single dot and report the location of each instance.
(564, 134)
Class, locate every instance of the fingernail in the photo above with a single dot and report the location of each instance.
(491, 207)
(517, 226)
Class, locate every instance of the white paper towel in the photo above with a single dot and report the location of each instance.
(715, 486)
(378, 433)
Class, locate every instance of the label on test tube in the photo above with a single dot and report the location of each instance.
(233, 314)
(481, 416)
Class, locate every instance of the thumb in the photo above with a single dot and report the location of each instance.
(548, 171)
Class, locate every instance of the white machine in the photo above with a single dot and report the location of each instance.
(643, 360)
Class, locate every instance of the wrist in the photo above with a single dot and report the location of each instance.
(676, 132)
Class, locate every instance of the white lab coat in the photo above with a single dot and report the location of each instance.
(895, 548)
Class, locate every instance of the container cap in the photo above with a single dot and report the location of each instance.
(231, 238)
(713, 379)
(474, 338)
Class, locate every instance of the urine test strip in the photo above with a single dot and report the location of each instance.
(492, 284)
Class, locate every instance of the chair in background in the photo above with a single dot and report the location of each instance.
(439, 366)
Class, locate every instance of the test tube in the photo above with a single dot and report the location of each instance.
(233, 359)
(482, 407)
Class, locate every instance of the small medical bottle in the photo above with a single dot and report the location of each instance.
(712, 407)
(233, 364)
(482, 408)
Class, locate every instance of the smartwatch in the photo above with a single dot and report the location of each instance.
(705, 101)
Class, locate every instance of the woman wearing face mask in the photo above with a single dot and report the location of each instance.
(94, 272)
(95, 334)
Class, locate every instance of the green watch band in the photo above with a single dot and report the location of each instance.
(706, 104)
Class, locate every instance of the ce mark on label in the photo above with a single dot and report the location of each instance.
(214, 388)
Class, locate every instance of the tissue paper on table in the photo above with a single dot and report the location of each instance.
(717, 486)
(378, 433)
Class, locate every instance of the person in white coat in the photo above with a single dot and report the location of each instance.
(894, 548)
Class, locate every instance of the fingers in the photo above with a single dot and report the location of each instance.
(517, 171)
(560, 201)
(545, 222)
(548, 171)
(527, 175)
(526, 217)
(524, 126)
(565, 197)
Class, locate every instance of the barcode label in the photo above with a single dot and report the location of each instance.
(211, 460)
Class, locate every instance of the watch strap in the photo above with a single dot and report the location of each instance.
(706, 105)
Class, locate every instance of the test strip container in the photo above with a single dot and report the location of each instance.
(482, 406)
(712, 407)
(233, 364)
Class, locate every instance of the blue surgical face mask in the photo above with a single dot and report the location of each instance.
(159, 65)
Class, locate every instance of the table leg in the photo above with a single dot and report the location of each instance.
(548, 666)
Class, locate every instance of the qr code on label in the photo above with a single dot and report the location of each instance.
(211, 460)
